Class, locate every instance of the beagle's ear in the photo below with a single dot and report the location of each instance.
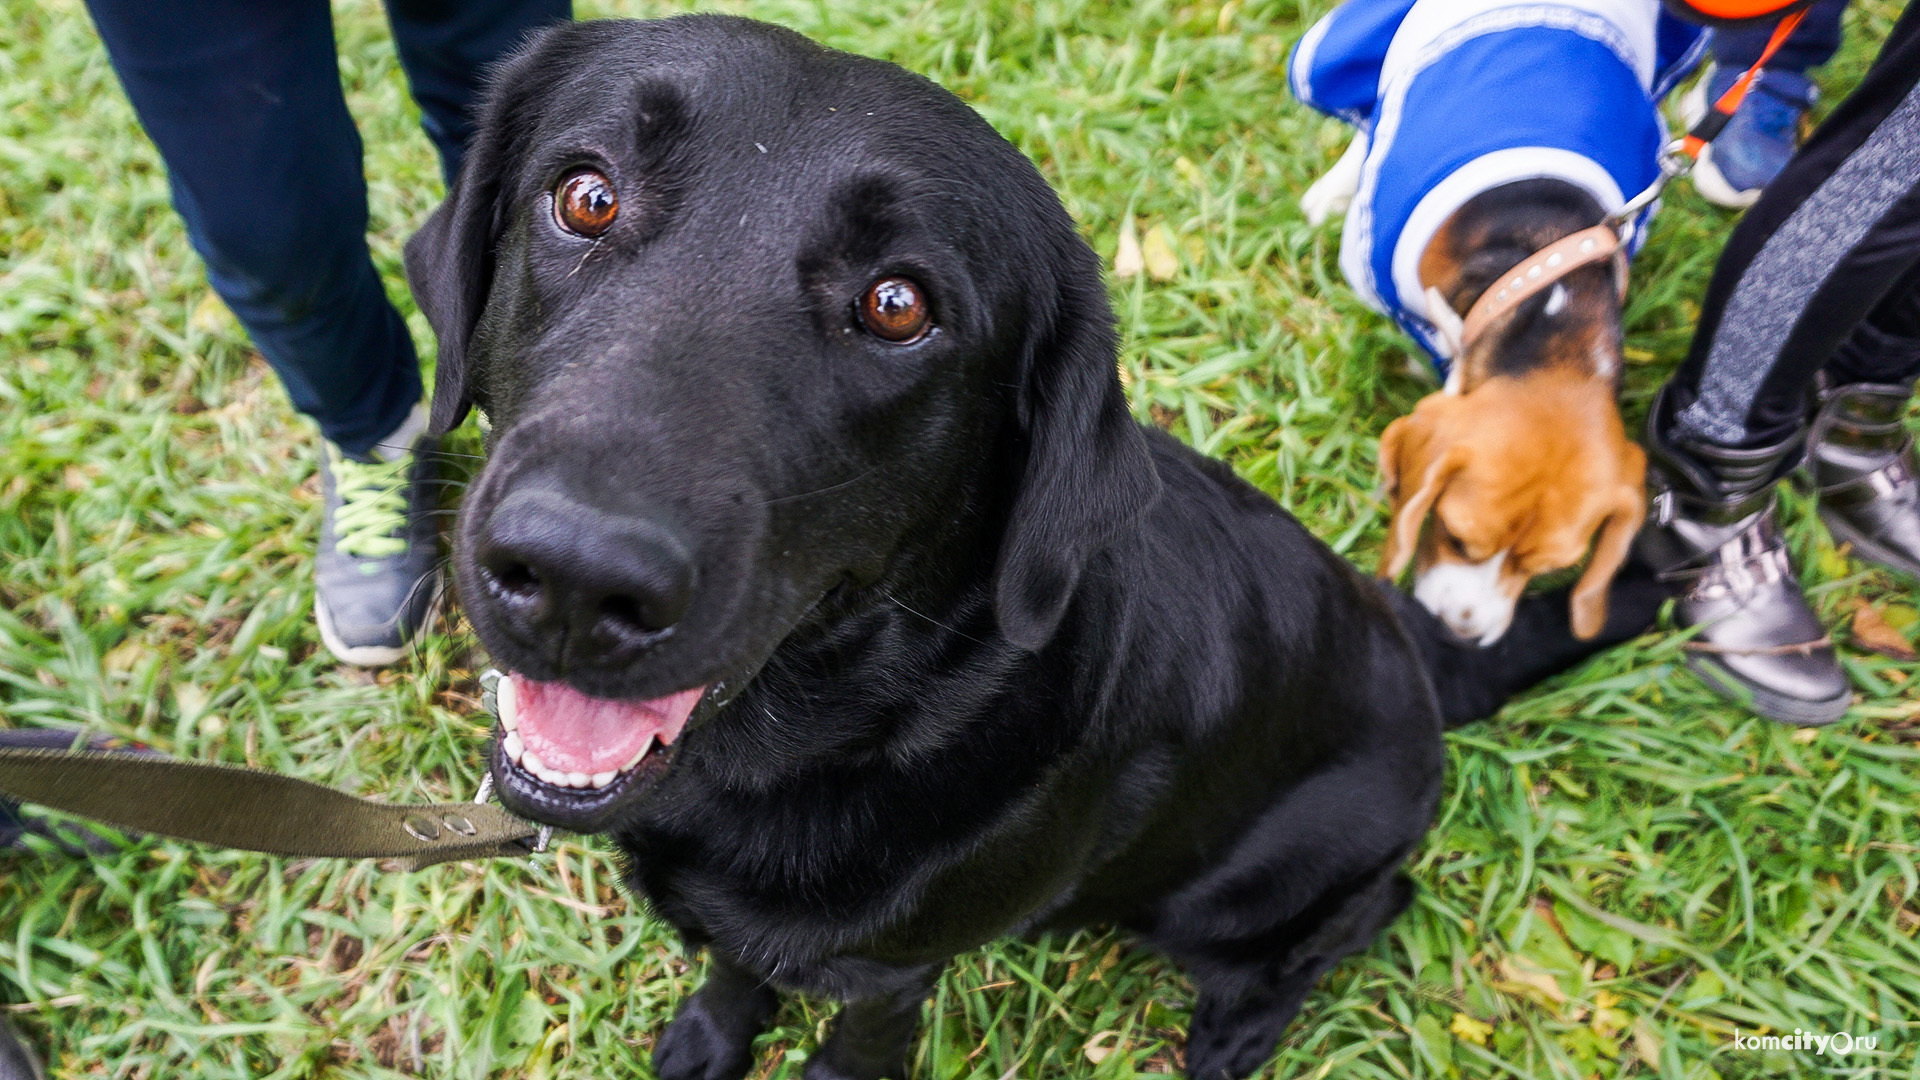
(1087, 474)
(1398, 459)
(450, 260)
(1588, 605)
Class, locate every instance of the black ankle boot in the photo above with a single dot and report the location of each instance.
(1712, 532)
(16, 1061)
(1863, 467)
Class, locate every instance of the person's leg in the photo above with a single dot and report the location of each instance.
(1863, 462)
(1824, 247)
(17, 1061)
(243, 100)
(1764, 131)
(446, 47)
(1831, 239)
(1813, 42)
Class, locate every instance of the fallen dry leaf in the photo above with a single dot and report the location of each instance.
(1101, 1045)
(1871, 631)
(1127, 261)
(1646, 1043)
(1473, 1031)
(1161, 259)
(1522, 973)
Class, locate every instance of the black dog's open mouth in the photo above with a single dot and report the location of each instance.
(566, 759)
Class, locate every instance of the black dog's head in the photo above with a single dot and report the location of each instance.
(756, 324)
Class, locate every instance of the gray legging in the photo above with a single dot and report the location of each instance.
(1822, 274)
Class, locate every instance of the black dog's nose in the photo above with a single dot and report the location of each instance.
(559, 565)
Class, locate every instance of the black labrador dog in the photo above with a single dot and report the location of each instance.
(838, 585)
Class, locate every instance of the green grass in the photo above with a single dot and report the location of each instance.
(1625, 869)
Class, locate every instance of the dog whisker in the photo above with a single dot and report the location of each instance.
(829, 489)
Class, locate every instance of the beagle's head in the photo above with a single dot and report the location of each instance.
(1518, 478)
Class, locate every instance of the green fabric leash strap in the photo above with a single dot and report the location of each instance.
(253, 810)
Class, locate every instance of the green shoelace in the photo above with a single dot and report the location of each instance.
(373, 506)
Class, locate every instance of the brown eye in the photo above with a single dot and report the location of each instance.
(894, 309)
(584, 203)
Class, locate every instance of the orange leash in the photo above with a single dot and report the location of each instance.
(1717, 117)
(1680, 155)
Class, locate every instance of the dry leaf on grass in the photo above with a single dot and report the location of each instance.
(1162, 261)
(1872, 632)
(1470, 1029)
(1101, 1046)
(1127, 261)
(1646, 1043)
(1521, 973)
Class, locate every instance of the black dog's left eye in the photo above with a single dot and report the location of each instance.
(584, 203)
(894, 309)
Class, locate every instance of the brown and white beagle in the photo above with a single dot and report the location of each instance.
(1521, 466)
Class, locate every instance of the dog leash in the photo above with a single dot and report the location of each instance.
(257, 810)
(1678, 158)
(1608, 240)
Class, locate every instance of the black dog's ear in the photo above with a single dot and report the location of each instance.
(1087, 475)
(449, 268)
(450, 260)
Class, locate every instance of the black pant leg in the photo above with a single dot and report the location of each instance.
(1828, 242)
(243, 100)
(446, 46)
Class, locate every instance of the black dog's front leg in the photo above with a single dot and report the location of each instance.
(872, 1037)
(711, 1037)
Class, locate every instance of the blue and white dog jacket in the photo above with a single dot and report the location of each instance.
(1459, 96)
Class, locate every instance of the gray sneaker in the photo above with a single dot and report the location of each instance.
(375, 580)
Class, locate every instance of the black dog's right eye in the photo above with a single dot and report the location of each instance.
(894, 309)
(584, 203)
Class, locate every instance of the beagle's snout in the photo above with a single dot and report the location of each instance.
(1472, 599)
(560, 570)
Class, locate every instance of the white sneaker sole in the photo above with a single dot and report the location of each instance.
(1714, 187)
(370, 656)
(1706, 176)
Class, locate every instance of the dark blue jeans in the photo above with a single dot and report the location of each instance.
(243, 99)
(1812, 44)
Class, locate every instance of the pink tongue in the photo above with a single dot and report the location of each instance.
(575, 733)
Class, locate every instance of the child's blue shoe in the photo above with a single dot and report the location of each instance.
(1758, 140)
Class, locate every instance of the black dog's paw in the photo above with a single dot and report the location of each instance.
(1230, 1039)
(708, 1040)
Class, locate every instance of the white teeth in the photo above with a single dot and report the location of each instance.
(507, 701)
(517, 752)
(642, 752)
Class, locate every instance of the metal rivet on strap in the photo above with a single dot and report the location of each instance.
(420, 827)
(1587, 245)
(1556, 259)
(1535, 270)
(459, 823)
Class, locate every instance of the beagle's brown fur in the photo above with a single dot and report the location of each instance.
(1522, 463)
